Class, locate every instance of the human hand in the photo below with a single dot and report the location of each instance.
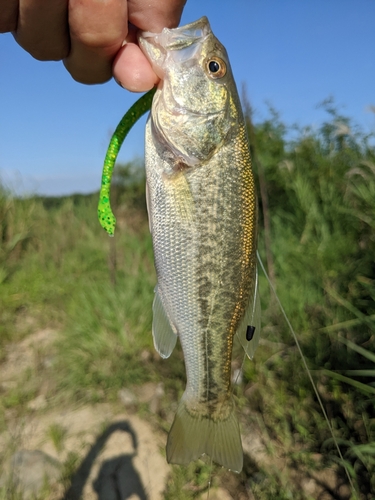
(88, 35)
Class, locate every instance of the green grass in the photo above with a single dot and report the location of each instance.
(58, 268)
(57, 433)
(321, 212)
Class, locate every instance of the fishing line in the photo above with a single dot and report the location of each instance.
(307, 371)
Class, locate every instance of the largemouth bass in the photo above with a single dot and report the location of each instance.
(203, 219)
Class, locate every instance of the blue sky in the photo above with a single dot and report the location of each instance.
(290, 53)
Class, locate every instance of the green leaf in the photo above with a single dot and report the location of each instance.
(358, 385)
(367, 354)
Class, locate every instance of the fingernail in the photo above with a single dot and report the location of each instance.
(118, 82)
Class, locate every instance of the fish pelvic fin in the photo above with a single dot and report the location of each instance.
(192, 436)
(164, 336)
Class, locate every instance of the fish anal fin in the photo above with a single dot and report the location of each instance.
(248, 332)
(190, 437)
(164, 336)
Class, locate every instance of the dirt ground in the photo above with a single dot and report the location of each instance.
(120, 455)
(107, 450)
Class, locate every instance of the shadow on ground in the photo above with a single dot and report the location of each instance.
(117, 478)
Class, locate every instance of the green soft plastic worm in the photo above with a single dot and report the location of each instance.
(105, 214)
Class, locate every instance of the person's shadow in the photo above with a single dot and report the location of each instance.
(117, 478)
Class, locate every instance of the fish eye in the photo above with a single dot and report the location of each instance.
(216, 67)
(213, 66)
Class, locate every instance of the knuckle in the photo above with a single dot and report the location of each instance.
(8, 16)
(48, 54)
(88, 76)
(8, 25)
(45, 52)
(99, 41)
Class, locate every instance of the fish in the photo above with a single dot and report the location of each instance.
(202, 209)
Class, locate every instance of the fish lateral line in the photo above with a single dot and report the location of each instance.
(106, 216)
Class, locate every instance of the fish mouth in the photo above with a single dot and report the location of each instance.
(155, 46)
(181, 37)
(183, 41)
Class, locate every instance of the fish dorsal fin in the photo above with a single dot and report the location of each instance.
(165, 337)
(249, 331)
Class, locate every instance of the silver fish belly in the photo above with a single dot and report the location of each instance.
(203, 219)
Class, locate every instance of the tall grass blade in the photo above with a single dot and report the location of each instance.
(366, 389)
(367, 354)
(308, 373)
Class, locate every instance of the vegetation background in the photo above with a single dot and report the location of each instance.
(317, 203)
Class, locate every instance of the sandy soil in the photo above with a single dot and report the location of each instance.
(120, 455)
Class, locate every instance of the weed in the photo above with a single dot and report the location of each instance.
(57, 434)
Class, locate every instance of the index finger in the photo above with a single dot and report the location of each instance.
(97, 30)
(9, 15)
(154, 15)
(131, 68)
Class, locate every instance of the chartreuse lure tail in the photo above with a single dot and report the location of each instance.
(105, 214)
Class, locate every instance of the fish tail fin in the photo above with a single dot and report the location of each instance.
(190, 437)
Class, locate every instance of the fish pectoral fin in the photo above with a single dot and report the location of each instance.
(190, 437)
(249, 331)
(179, 191)
(164, 336)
